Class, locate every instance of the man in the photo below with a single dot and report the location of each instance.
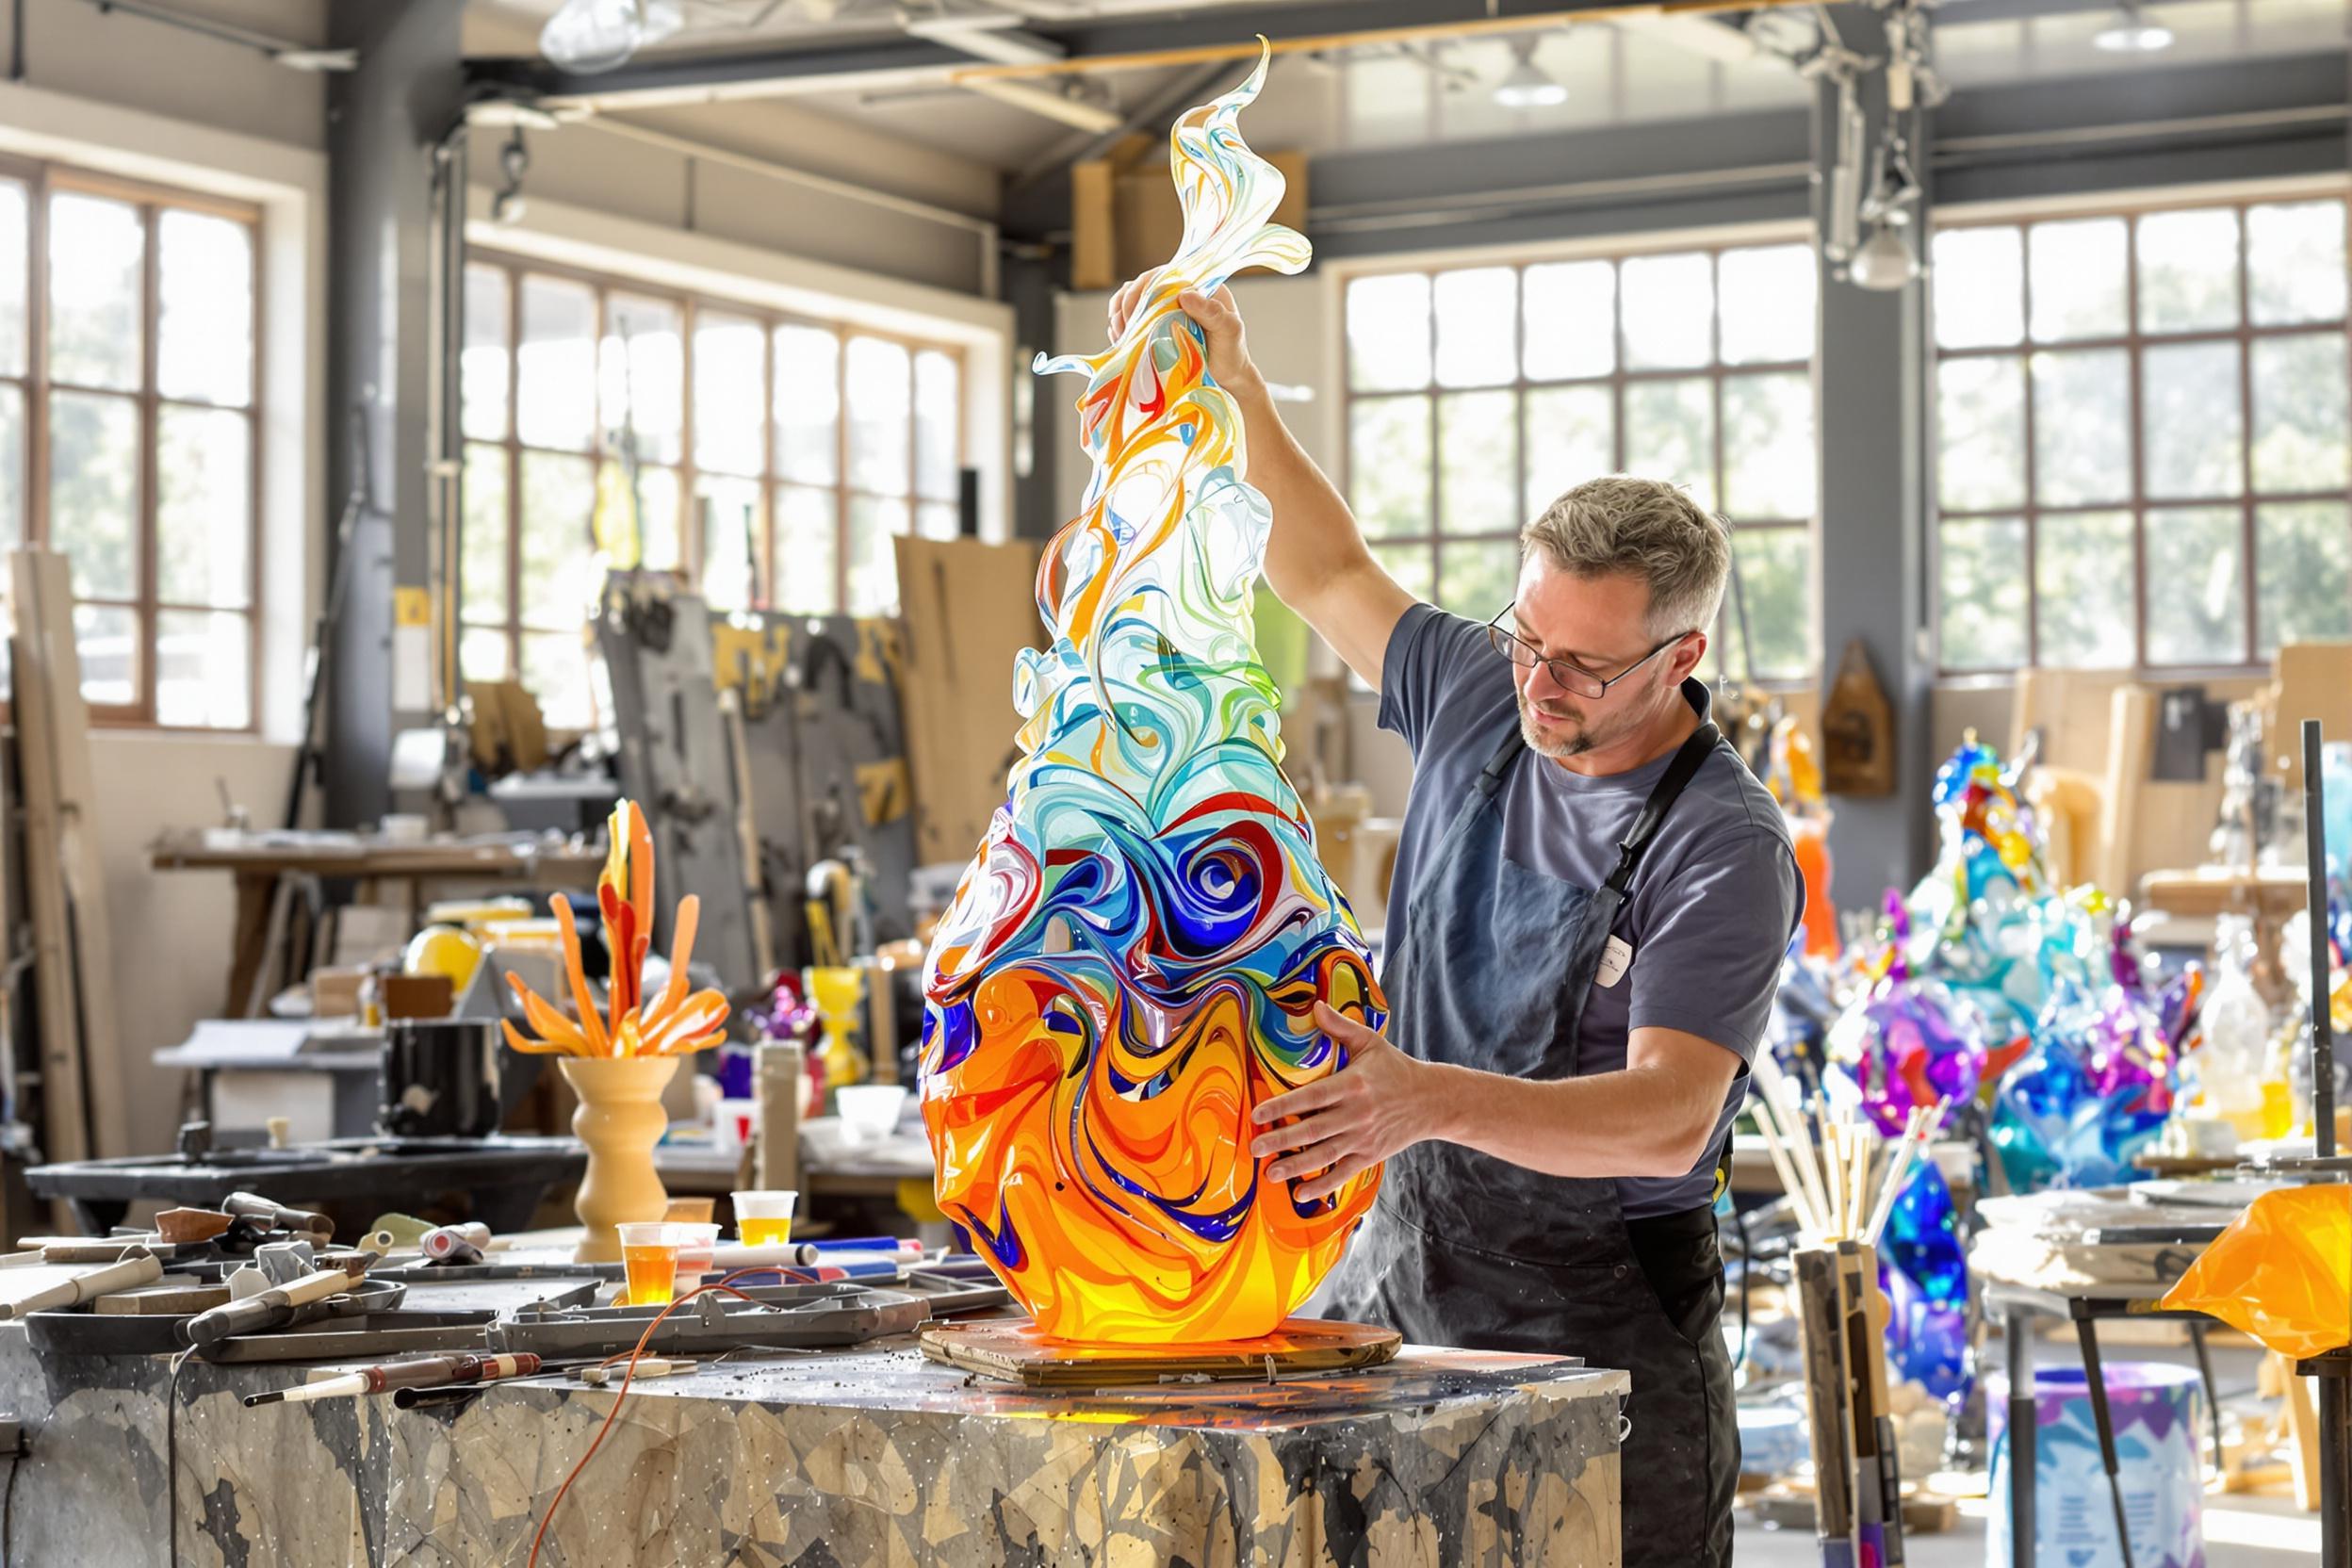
(1585, 928)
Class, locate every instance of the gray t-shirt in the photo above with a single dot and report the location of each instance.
(1712, 903)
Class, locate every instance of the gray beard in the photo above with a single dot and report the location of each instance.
(1576, 745)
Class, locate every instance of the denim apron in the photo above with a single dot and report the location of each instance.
(1468, 1249)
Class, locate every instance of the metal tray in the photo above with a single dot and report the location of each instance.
(820, 1317)
(375, 1336)
(79, 1332)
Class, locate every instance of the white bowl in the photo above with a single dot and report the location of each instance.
(869, 1111)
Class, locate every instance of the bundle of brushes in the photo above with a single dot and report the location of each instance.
(1838, 1182)
(674, 1024)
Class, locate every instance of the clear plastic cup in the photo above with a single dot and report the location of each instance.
(764, 1219)
(649, 1257)
(869, 1112)
(694, 1243)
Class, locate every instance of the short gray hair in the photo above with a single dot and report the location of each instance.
(1642, 528)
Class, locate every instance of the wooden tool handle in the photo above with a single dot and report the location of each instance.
(257, 1313)
(145, 1269)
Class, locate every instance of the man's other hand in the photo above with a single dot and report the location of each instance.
(1349, 1120)
(1215, 315)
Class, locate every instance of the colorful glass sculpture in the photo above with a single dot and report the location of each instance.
(1910, 1043)
(2084, 1099)
(673, 1023)
(2281, 1272)
(1132, 961)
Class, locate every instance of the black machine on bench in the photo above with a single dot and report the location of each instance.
(445, 1087)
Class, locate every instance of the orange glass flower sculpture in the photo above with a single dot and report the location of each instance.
(674, 1024)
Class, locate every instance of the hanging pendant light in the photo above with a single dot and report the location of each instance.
(1528, 86)
(1884, 262)
(2131, 32)
(588, 36)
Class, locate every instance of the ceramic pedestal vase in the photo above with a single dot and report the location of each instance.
(620, 1118)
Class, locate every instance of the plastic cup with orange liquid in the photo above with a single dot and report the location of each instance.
(649, 1257)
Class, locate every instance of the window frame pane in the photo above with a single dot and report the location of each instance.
(2241, 347)
(780, 475)
(1419, 524)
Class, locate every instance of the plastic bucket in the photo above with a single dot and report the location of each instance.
(2158, 1411)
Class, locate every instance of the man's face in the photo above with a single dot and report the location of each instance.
(1599, 625)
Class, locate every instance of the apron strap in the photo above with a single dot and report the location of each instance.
(1491, 776)
(1678, 773)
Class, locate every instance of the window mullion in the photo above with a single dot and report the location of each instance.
(37, 530)
(843, 502)
(514, 473)
(149, 635)
(2250, 642)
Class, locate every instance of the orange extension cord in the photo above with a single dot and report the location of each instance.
(644, 1339)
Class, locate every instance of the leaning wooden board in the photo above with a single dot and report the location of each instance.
(1016, 1351)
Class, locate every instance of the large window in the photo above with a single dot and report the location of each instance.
(749, 481)
(129, 378)
(1478, 395)
(2144, 436)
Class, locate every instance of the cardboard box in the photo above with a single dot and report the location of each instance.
(334, 992)
(418, 996)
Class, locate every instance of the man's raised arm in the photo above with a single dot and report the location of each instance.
(1315, 557)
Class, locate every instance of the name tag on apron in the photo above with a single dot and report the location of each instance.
(1616, 958)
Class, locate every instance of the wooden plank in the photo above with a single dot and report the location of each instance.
(1821, 1336)
(2314, 682)
(2131, 729)
(1017, 1352)
(44, 598)
(1092, 250)
(175, 1296)
(967, 609)
(781, 1068)
(64, 1128)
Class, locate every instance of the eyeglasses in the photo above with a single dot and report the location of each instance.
(1581, 682)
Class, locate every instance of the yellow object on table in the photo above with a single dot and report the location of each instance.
(837, 992)
(444, 950)
(2281, 1272)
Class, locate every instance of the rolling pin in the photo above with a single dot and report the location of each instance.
(144, 1269)
(277, 1216)
(255, 1313)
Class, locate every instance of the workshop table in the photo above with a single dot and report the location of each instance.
(865, 1457)
(267, 867)
(503, 1178)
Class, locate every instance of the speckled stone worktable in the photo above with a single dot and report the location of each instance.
(842, 1459)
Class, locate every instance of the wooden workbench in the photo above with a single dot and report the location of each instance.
(869, 1456)
(263, 863)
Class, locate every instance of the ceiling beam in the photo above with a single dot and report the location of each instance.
(1117, 41)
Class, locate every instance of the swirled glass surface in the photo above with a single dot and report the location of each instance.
(1133, 960)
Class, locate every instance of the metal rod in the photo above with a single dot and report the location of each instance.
(2315, 911)
(2095, 1375)
(2335, 1416)
(2213, 1390)
(2024, 1413)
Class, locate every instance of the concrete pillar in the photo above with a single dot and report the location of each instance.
(1871, 377)
(1029, 284)
(383, 121)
